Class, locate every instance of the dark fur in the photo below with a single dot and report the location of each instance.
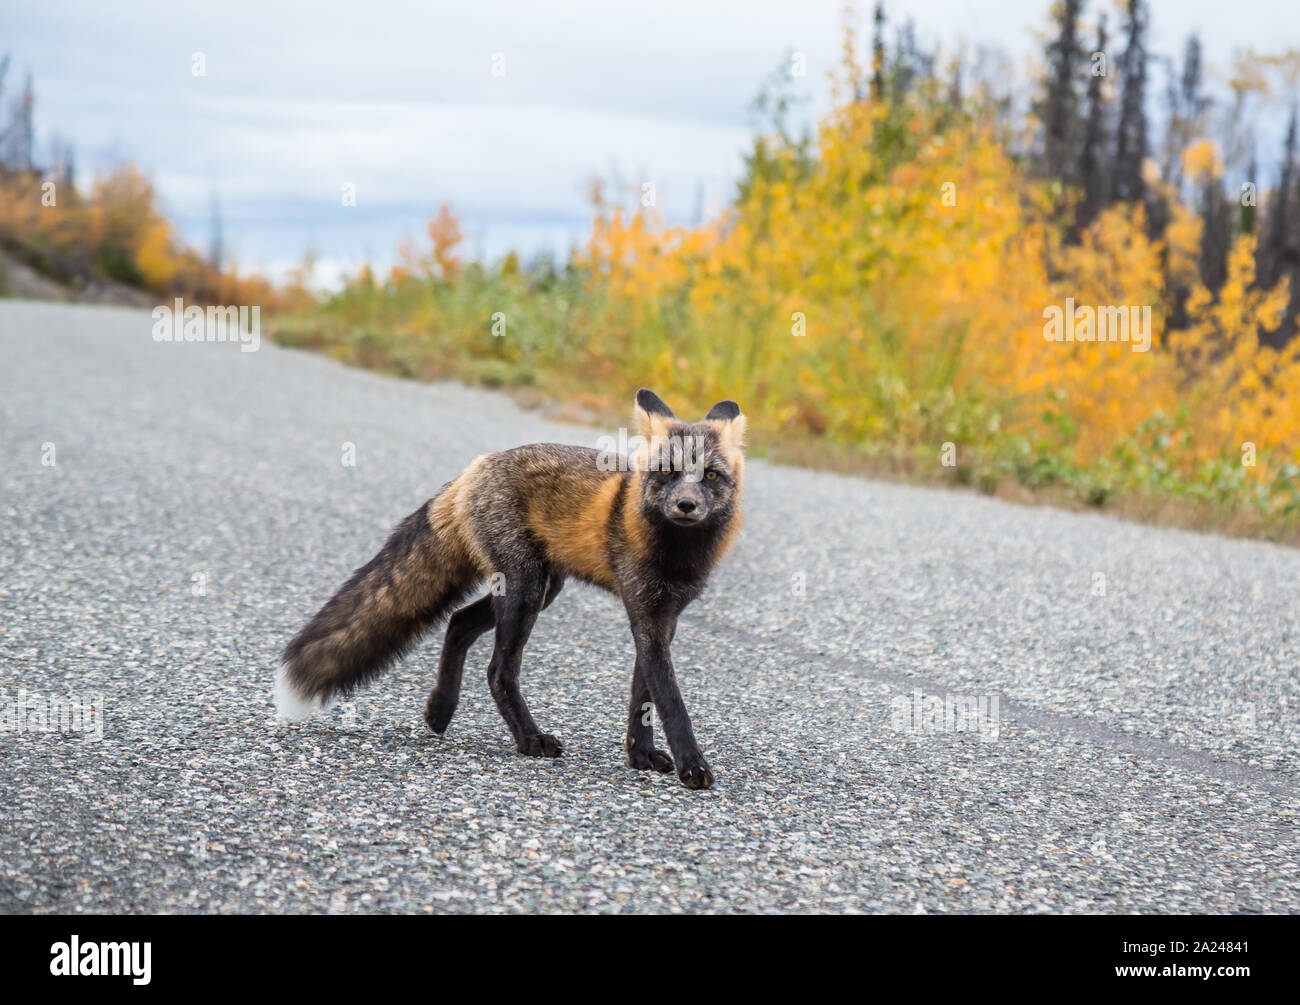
(330, 656)
(537, 515)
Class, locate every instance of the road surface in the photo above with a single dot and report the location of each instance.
(173, 512)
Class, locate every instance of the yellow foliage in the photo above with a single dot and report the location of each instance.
(1201, 161)
(155, 256)
(922, 287)
(444, 231)
(118, 231)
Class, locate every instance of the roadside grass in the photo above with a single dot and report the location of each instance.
(552, 358)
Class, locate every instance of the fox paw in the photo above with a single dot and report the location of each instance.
(697, 776)
(438, 712)
(648, 758)
(540, 745)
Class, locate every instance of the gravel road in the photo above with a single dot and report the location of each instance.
(1142, 755)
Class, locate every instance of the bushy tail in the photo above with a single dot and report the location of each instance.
(387, 604)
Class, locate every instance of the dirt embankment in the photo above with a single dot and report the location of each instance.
(20, 280)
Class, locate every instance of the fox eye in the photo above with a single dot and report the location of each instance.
(710, 475)
(665, 471)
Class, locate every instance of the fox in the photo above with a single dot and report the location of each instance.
(649, 527)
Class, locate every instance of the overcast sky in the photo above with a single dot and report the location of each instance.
(399, 99)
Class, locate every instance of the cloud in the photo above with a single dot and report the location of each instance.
(399, 99)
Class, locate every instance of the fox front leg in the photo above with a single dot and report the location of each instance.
(641, 752)
(654, 666)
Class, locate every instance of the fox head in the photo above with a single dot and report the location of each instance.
(690, 471)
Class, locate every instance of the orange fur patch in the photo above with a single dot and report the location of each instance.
(731, 440)
(635, 528)
(650, 425)
(574, 526)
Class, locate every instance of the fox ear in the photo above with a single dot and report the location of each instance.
(652, 415)
(730, 422)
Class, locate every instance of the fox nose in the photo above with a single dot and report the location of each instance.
(686, 505)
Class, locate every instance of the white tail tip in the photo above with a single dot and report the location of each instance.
(291, 706)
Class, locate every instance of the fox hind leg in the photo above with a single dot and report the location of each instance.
(464, 628)
(516, 610)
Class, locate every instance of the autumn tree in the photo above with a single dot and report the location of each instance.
(445, 233)
(1279, 250)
